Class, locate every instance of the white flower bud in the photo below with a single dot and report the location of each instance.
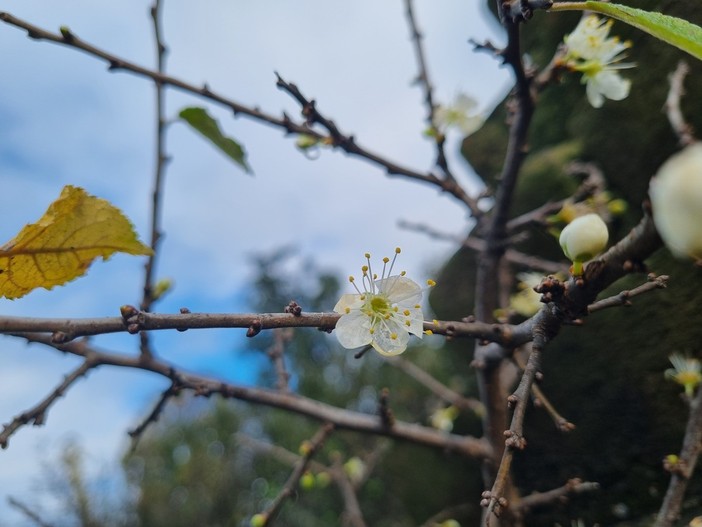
(583, 239)
(676, 196)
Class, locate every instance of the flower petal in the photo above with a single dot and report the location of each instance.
(350, 301)
(385, 344)
(400, 290)
(353, 330)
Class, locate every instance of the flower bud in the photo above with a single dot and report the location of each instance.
(583, 239)
(676, 196)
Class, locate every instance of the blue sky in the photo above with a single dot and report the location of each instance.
(65, 120)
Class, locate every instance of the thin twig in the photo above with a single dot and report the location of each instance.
(478, 245)
(159, 174)
(290, 485)
(622, 299)
(353, 516)
(347, 143)
(339, 417)
(438, 388)
(277, 452)
(173, 390)
(276, 355)
(423, 79)
(540, 499)
(680, 126)
(37, 414)
(669, 512)
(28, 512)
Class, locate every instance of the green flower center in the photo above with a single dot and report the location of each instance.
(377, 305)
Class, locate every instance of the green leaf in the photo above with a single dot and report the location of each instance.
(201, 121)
(676, 31)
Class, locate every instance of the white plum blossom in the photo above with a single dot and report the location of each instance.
(461, 115)
(597, 56)
(676, 197)
(383, 314)
(583, 239)
(527, 301)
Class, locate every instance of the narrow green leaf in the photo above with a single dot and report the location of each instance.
(201, 121)
(676, 31)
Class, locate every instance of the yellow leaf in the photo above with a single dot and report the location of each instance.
(75, 229)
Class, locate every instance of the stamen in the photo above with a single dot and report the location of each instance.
(371, 279)
(431, 283)
(353, 281)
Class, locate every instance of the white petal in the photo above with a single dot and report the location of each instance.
(415, 319)
(353, 330)
(612, 85)
(385, 344)
(400, 290)
(348, 301)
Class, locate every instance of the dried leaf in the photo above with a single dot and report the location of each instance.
(75, 229)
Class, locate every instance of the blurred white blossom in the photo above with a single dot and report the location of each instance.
(461, 114)
(527, 301)
(676, 196)
(686, 371)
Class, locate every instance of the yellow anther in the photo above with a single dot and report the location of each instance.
(351, 278)
(364, 269)
(395, 309)
(398, 250)
(408, 323)
(347, 310)
(386, 259)
(375, 276)
(435, 322)
(393, 336)
(428, 332)
(371, 331)
(431, 283)
(367, 255)
(403, 273)
(406, 312)
(417, 306)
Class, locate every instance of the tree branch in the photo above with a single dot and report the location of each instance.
(339, 417)
(347, 143)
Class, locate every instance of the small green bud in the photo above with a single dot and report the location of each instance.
(307, 481)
